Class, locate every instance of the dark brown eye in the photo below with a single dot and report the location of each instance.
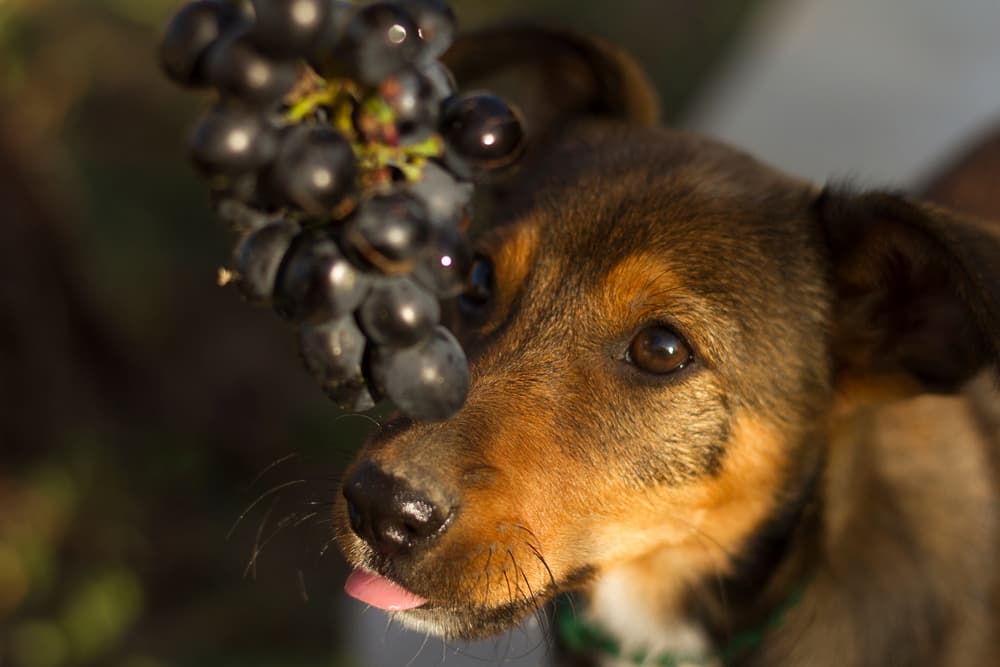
(658, 350)
(479, 288)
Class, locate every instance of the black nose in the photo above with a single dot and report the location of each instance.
(389, 514)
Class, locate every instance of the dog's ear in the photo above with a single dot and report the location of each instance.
(552, 75)
(917, 288)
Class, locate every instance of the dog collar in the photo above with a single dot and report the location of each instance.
(579, 636)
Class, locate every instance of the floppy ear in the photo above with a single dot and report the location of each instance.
(970, 182)
(552, 75)
(917, 288)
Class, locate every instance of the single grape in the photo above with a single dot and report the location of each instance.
(189, 35)
(258, 257)
(411, 96)
(389, 231)
(246, 188)
(238, 69)
(315, 169)
(240, 216)
(288, 28)
(352, 396)
(315, 280)
(482, 134)
(398, 313)
(379, 41)
(338, 16)
(441, 80)
(447, 199)
(232, 140)
(333, 352)
(436, 26)
(415, 97)
(428, 380)
(445, 265)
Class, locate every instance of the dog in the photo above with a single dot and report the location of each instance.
(744, 419)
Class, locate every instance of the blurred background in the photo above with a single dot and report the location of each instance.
(166, 468)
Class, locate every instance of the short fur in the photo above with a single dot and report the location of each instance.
(838, 429)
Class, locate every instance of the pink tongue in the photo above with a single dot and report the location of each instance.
(381, 593)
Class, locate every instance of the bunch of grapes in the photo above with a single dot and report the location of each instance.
(340, 152)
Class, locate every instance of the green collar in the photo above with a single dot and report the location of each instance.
(579, 636)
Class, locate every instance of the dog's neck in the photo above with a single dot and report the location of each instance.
(860, 521)
(767, 574)
(652, 607)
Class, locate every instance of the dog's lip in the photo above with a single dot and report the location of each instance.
(380, 592)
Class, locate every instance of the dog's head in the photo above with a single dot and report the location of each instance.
(660, 330)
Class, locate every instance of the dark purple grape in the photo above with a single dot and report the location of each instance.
(411, 96)
(288, 28)
(240, 216)
(258, 257)
(338, 16)
(427, 381)
(315, 169)
(389, 231)
(482, 135)
(446, 198)
(189, 35)
(315, 280)
(238, 69)
(352, 396)
(441, 80)
(232, 140)
(247, 189)
(444, 267)
(333, 351)
(380, 40)
(435, 26)
(398, 313)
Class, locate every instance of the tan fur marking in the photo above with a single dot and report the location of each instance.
(637, 285)
(513, 253)
(644, 287)
(705, 520)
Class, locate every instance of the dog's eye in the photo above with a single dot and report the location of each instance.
(479, 290)
(658, 350)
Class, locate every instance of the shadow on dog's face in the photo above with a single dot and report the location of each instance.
(660, 329)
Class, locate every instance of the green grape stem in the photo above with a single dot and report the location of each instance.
(346, 99)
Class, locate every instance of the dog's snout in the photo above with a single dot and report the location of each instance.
(389, 514)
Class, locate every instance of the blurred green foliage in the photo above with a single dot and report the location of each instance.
(145, 410)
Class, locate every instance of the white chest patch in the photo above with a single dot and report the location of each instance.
(623, 608)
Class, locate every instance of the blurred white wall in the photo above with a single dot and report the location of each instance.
(880, 90)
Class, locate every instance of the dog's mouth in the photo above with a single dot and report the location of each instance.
(453, 621)
(448, 613)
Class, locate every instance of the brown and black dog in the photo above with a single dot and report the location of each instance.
(718, 402)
